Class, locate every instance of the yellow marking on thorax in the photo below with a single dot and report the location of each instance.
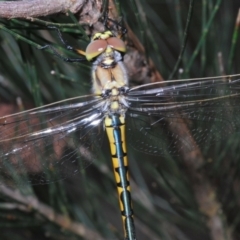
(114, 105)
(115, 92)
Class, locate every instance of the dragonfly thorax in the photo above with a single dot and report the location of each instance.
(108, 76)
(115, 101)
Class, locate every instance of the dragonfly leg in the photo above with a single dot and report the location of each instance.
(68, 47)
(66, 59)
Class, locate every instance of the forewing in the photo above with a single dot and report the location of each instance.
(51, 142)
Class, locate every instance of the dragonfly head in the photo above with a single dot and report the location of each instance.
(104, 42)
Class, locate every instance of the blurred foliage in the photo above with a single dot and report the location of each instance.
(164, 203)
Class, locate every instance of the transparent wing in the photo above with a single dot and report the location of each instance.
(180, 115)
(51, 142)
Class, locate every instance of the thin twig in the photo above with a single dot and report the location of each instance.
(46, 211)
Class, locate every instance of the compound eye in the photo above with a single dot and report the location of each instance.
(116, 44)
(95, 48)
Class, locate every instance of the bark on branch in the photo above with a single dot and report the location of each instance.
(38, 8)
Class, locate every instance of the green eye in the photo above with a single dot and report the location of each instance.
(95, 48)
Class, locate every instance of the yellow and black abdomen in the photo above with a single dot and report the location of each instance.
(115, 127)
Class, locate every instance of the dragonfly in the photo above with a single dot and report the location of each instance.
(69, 132)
